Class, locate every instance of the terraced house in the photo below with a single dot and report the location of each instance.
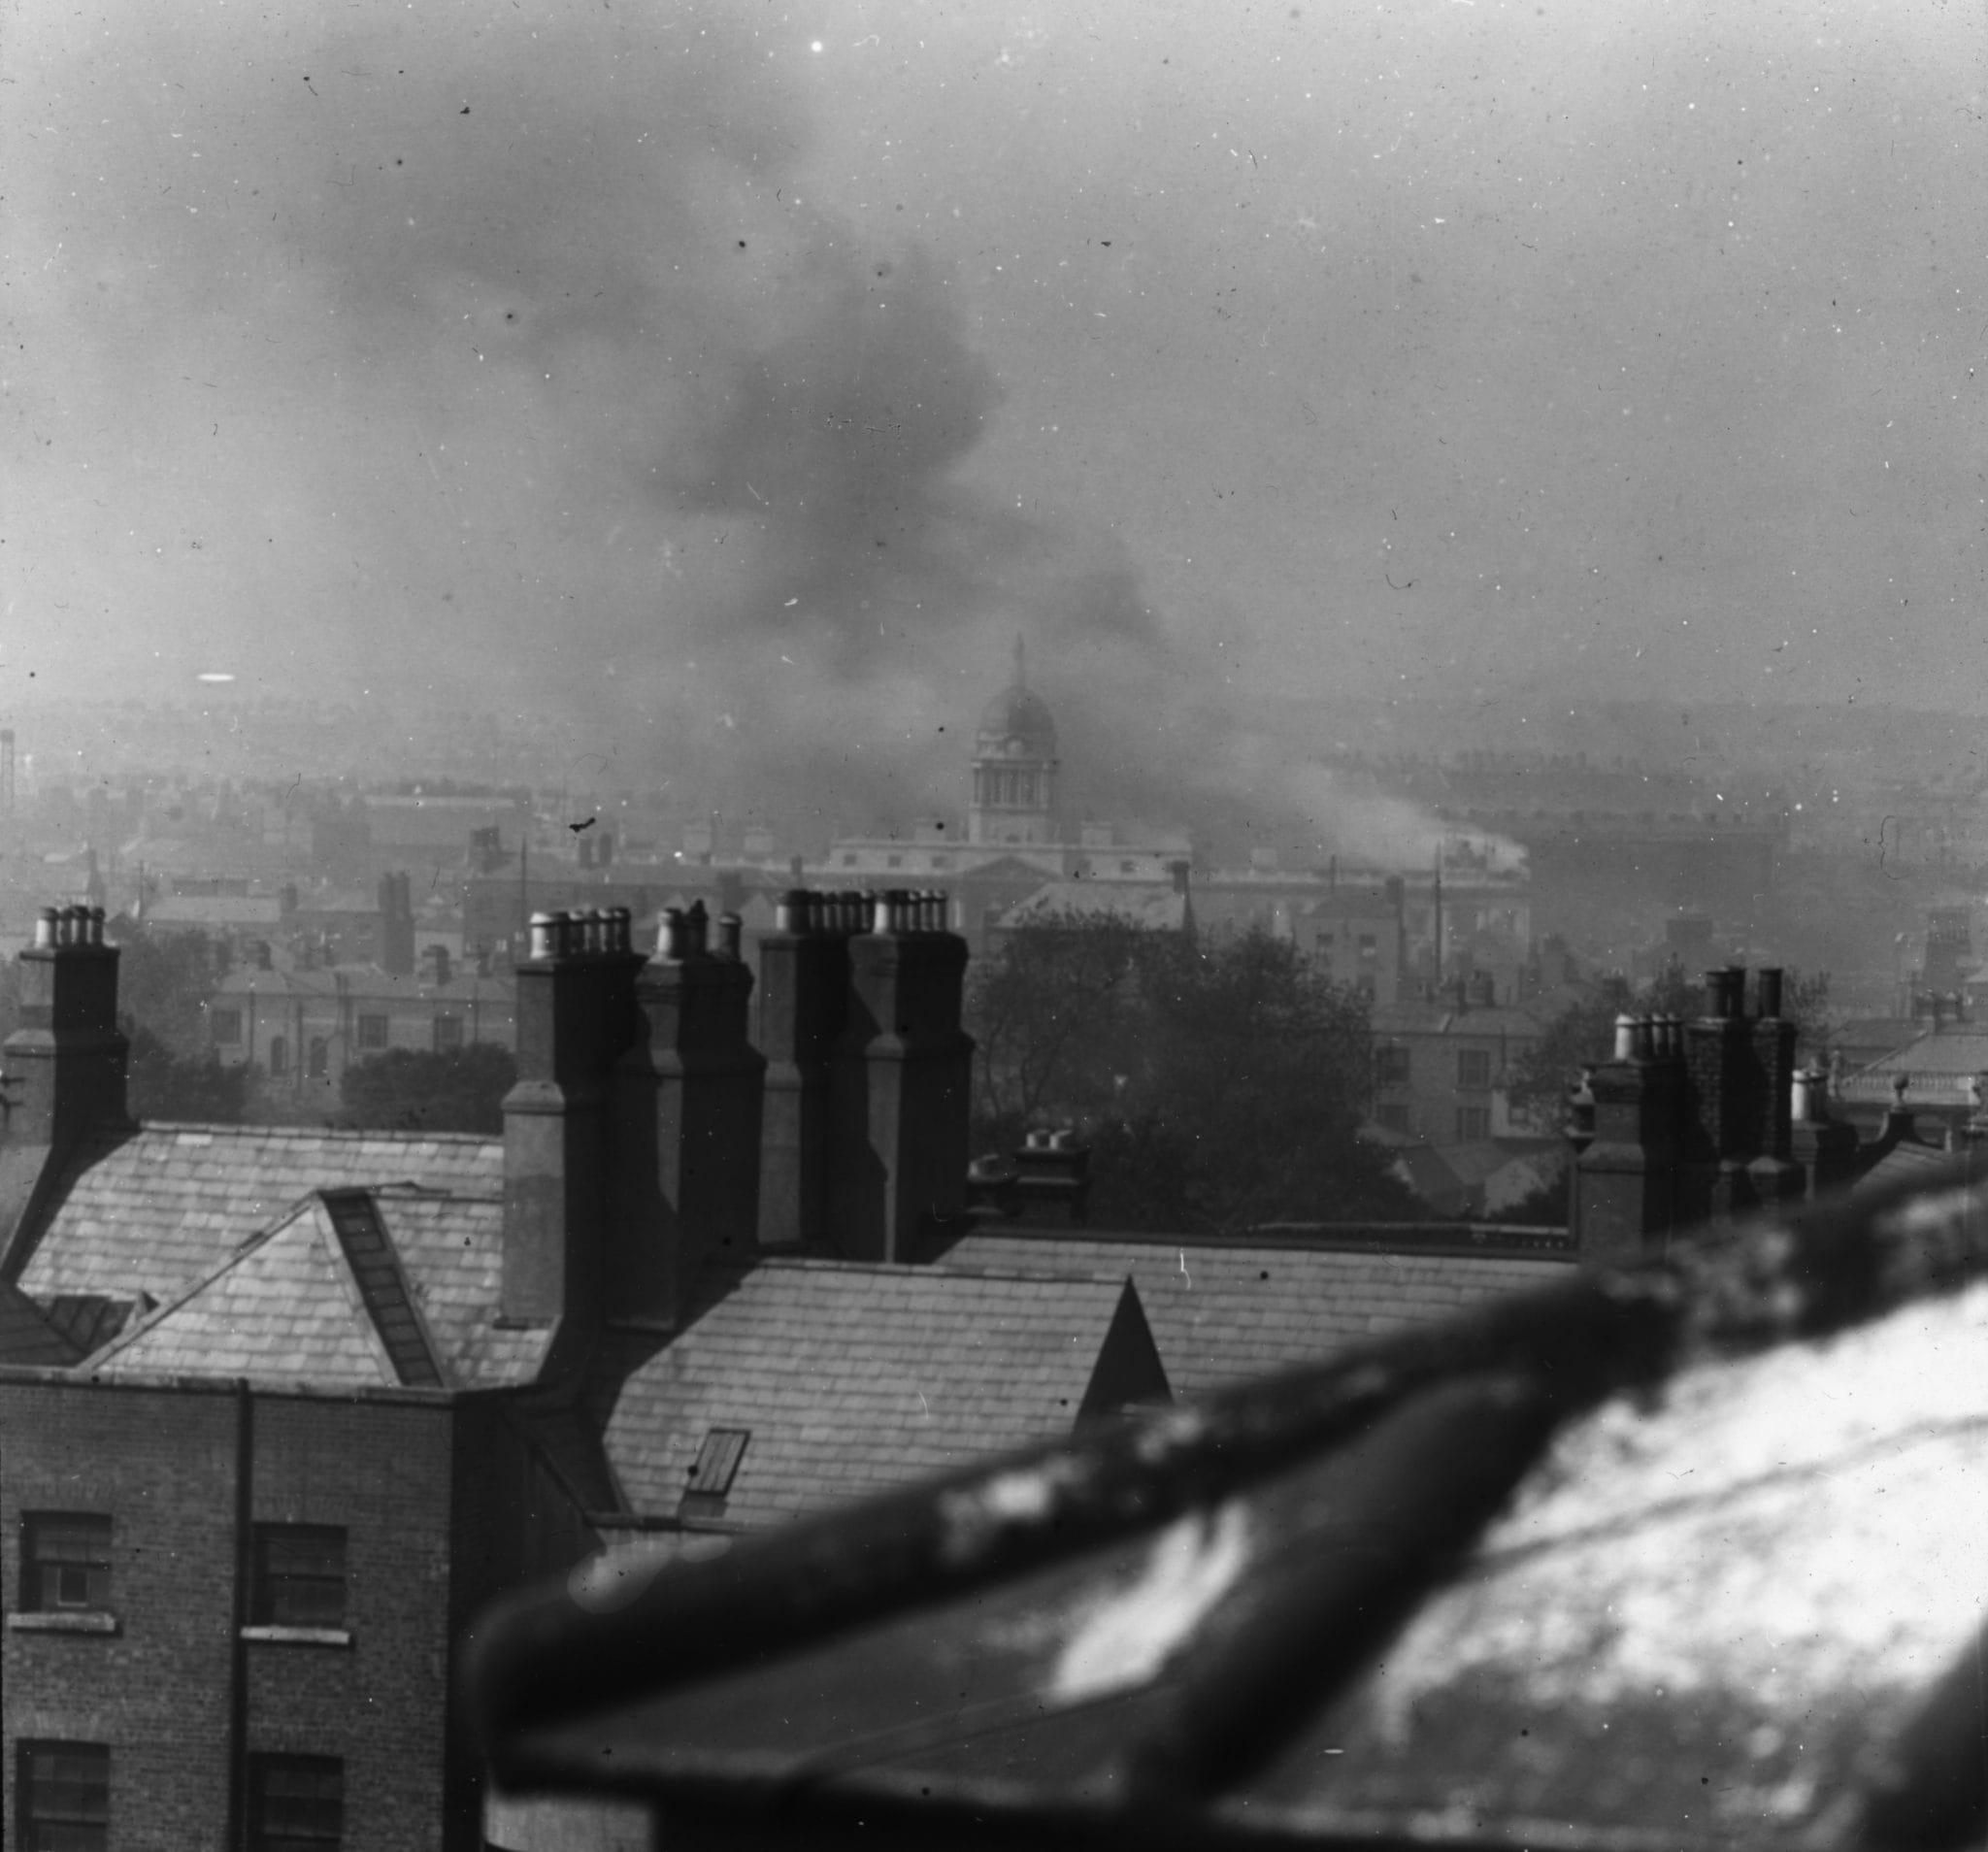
(282, 1408)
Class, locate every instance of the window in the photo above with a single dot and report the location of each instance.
(227, 1027)
(296, 1803)
(1472, 1122)
(300, 1576)
(1369, 947)
(1390, 1066)
(448, 1034)
(372, 1032)
(713, 1471)
(893, 861)
(1392, 1114)
(63, 1794)
(65, 1562)
(321, 1057)
(942, 861)
(1473, 1067)
(279, 1055)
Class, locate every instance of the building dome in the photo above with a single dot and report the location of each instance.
(1019, 714)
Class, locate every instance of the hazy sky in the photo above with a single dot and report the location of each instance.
(739, 377)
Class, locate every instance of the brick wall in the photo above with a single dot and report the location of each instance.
(158, 1691)
(381, 1469)
(175, 1692)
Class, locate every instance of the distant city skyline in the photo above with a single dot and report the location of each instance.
(737, 386)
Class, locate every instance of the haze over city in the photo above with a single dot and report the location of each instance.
(734, 384)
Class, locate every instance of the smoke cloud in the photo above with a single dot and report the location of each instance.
(536, 380)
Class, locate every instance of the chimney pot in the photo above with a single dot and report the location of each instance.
(731, 936)
(45, 929)
(620, 929)
(545, 928)
(1625, 1038)
(673, 935)
(790, 912)
(697, 929)
(1770, 991)
(883, 913)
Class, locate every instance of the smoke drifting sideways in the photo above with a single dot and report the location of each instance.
(614, 426)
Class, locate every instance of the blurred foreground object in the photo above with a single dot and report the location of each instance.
(1680, 1553)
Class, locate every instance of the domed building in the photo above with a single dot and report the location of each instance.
(1014, 766)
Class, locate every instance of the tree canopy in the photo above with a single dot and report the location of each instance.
(1221, 1085)
(410, 1090)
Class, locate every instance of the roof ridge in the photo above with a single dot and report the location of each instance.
(912, 1270)
(287, 1132)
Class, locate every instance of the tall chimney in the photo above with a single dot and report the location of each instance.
(62, 1071)
(1624, 1199)
(396, 926)
(901, 1080)
(687, 1119)
(1730, 1115)
(804, 982)
(1773, 1172)
(576, 1015)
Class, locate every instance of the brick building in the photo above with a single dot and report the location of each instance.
(279, 1408)
(301, 1024)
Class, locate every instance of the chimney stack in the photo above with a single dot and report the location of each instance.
(396, 926)
(1772, 1174)
(576, 1015)
(804, 982)
(900, 1081)
(62, 1071)
(1624, 1195)
(687, 1121)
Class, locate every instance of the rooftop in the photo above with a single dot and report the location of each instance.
(1675, 1555)
(154, 1209)
(851, 1378)
(1222, 1312)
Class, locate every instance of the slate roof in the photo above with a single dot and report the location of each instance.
(157, 1209)
(1938, 1066)
(851, 1378)
(26, 1335)
(347, 1287)
(286, 1305)
(1682, 1555)
(1223, 1313)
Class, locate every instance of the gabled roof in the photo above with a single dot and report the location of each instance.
(855, 1377)
(156, 1210)
(347, 1286)
(1157, 905)
(1222, 1312)
(1680, 1555)
(291, 1305)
